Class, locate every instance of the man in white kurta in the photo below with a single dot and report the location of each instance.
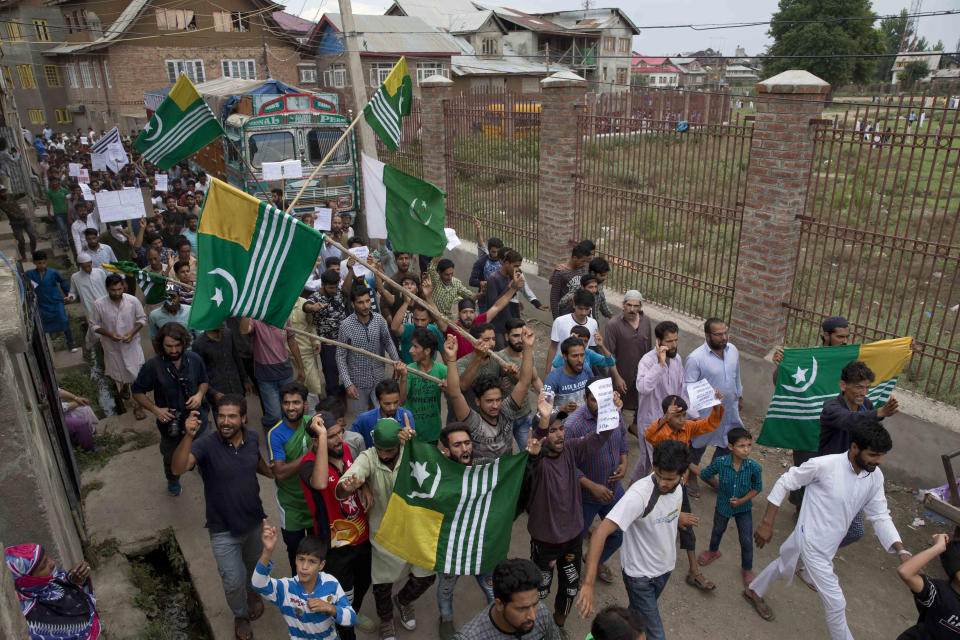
(838, 486)
(88, 285)
(118, 317)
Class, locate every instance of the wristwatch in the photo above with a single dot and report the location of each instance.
(904, 552)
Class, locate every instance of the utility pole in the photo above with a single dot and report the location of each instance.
(352, 43)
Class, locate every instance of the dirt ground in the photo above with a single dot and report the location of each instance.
(132, 506)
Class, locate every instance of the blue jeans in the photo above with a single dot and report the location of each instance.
(615, 539)
(521, 430)
(270, 398)
(237, 557)
(642, 594)
(445, 591)
(744, 532)
(61, 219)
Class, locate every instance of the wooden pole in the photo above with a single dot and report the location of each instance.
(324, 161)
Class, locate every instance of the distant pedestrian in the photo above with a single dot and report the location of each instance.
(51, 290)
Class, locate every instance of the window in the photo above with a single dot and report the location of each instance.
(274, 146)
(85, 75)
(80, 18)
(336, 76)
(427, 69)
(307, 75)
(319, 143)
(106, 74)
(96, 74)
(488, 47)
(231, 21)
(68, 22)
(240, 21)
(604, 74)
(379, 72)
(40, 28)
(27, 81)
(36, 116)
(72, 81)
(243, 69)
(609, 44)
(52, 75)
(7, 77)
(176, 20)
(193, 69)
(622, 75)
(63, 116)
(14, 31)
(624, 45)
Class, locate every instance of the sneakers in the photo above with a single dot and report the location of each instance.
(173, 488)
(386, 630)
(365, 624)
(74, 349)
(407, 616)
(447, 630)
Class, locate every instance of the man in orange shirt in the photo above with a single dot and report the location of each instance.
(673, 425)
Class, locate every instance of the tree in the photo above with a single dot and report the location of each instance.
(911, 73)
(794, 34)
(891, 33)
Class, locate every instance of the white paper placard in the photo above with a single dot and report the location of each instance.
(74, 169)
(98, 161)
(282, 170)
(359, 270)
(322, 222)
(161, 181)
(607, 415)
(83, 140)
(452, 240)
(87, 194)
(120, 205)
(84, 176)
(702, 395)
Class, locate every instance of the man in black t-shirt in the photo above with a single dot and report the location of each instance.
(938, 601)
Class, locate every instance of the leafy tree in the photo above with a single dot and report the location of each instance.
(794, 35)
(911, 73)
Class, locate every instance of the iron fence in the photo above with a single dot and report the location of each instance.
(664, 201)
(409, 154)
(880, 239)
(492, 150)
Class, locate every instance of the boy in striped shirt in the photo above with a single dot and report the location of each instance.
(313, 601)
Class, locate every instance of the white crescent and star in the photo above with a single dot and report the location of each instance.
(218, 292)
(800, 377)
(413, 212)
(419, 472)
(148, 127)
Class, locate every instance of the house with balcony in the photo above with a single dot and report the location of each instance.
(654, 72)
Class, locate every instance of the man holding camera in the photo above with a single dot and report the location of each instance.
(178, 379)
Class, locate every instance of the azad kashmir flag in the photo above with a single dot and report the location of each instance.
(389, 104)
(407, 210)
(809, 377)
(153, 285)
(182, 125)
(252, 259)
(450, 517)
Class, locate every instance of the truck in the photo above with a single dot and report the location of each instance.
(269, 121)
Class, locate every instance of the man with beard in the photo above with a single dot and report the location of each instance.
(513, 353)
(491, 425)
(583, 302)
(659, 374)
(467, 311)
(287, 445)
(178, 381)
(87, 285)
(172, 310)
(838, 486)
(516, 611)
(229, 461)
(344, 521)
(377, 469)
(118, 317)
(718, 362)
(555, 508)
(567, 383)
(99, 253)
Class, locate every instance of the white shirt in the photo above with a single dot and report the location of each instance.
(89, 287)
(79, 226)
(563, 324)
(649, 544)
(102, 254)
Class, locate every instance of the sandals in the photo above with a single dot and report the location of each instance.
(693, 492)
(762, 608)
(254, 607)
(700, 582)
(707, 557)
(242, 629)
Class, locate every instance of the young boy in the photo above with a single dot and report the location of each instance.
(312, 601)
(739, 479)
(938, 601)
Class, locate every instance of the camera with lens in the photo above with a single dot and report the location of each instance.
(175, 426)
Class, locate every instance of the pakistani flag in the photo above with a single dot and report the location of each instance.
(182, 125)
(407, 210)
(389, 104)
(809, 377)
(153, 285)
(449, 517)
(252, 259)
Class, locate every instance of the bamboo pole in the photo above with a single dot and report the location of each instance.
(324, 161)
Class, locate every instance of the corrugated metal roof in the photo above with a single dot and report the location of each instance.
(119, 26)
(527, 21)
(590, 19)
(397, 35)
(293, 24)
(468, 65)
(450, 15)
(465, 22)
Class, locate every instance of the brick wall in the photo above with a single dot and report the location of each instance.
(432, 129)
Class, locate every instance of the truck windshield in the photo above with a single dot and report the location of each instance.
(275, 146)
(319, 142)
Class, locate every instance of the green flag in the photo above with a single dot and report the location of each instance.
(182, 125)
(407, 210)
(450, 517)
(252, 259)
(385, 110)
(153, 285)
(806, 378)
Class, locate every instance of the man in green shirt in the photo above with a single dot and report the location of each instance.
(422, 397)
(287, 443)
(57, 201)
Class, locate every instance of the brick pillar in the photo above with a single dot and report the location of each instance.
(777, 178)
(562, 98)
(434, 91)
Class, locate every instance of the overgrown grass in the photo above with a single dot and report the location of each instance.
(82, 385)
(89, 488)
(103, 549)
(109, 444)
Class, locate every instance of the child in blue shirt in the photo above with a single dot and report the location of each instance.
(738, 480)
(313, 601)
(593, 359)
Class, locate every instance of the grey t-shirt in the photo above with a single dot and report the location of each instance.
(482, 628)
(490, 366)
(489, 441)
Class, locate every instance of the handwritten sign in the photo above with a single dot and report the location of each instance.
(84, 176)
(74, 169)
(87, 193)
(702, 395)
(161, 181)
(322, 222)
(359, 270)
(98, 161)
(126, 204)
(83, 140)
(452, 240)
(607, 415)
(282, 170)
